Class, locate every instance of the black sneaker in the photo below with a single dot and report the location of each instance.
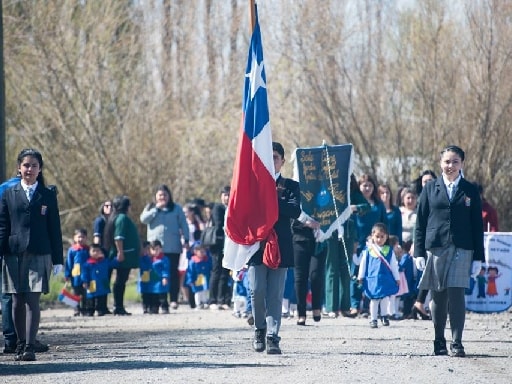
(20, 348)
(457, 350)
(273, 345)
(385, 321)
(258, 343)
(373, 324)
(40, 347)
(29, 354)
(440, 348)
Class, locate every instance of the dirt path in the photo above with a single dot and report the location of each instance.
(207, 346)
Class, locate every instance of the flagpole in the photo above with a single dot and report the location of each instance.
(252, 14)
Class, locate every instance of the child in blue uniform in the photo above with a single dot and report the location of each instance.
(77, 256)
(154, 278)
(198, 276)
(96, 280)
(239, 293)
(378, 273)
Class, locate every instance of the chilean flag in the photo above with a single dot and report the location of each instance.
(68, 298)
(252, 209)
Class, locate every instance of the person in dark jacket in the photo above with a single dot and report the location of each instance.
(267, 285)
(449, 234)
(31, 243)
(122, 241)
(309, 257)
(220, 296)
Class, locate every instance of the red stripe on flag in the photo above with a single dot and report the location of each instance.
(252, 209)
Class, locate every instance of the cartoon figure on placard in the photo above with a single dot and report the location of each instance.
(481, 281)
(492, 275)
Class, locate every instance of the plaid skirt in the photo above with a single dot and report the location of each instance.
(26, 273)
(448, 267)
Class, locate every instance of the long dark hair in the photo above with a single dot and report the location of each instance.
(417, 182)
(163, 188)
(367, 178)
(120, 204)
(37, 155)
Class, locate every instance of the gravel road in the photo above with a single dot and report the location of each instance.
(205, 346)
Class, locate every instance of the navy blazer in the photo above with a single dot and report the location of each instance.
(441, 222)
(289, 208)
(31, 226)
(288, 197)
(217, 217)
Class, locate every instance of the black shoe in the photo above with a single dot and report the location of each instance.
(10, 348)
(457, 350)
(29, 354)
(385, 321)
(273, 345)
(40, 347)
(101, 313)
(121, 312)
(258, 343)
(20, 348)
(107, 311)
(250, 319)
(440, 348)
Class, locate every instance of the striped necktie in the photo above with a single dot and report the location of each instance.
(30, 193)
(451, 187)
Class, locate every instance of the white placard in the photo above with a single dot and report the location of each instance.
(490, 288)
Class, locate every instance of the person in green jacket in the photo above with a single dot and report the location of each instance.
(122, 241)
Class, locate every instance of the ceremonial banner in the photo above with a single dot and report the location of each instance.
(324, 177)
(490, 287)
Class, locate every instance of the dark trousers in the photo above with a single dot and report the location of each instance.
(151, 302)
(8, 329)
(122, 275)
(309, 273)
(98, 303)
(174, 276)
(449, 301)
(219, 281)
(408, 301)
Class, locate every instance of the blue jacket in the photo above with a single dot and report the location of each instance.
(75, 261)
(198, 273)
(95, 273)
(151, 273)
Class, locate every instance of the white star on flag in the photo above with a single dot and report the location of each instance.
(255, 78)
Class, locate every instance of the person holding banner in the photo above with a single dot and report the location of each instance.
(450, 236)
(309, 266)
